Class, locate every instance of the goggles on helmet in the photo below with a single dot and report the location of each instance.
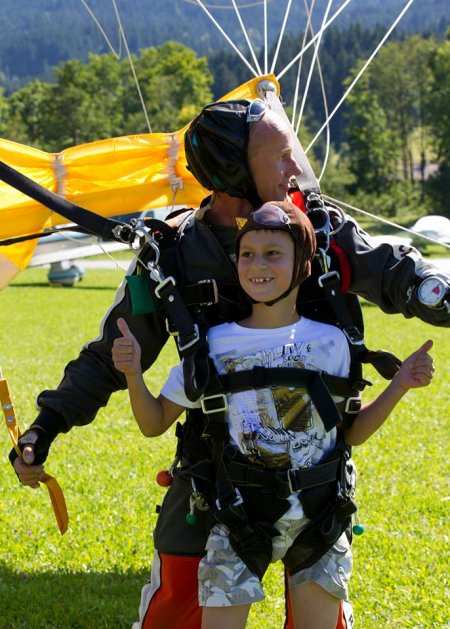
(255, 110)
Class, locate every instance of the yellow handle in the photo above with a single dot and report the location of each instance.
(54, 490)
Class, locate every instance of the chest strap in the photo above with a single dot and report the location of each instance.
(319, 386)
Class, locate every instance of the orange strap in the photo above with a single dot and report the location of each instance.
(54, 490)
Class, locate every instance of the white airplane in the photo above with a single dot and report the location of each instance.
(432, 226)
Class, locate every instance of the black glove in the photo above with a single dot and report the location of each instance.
(40, 436)
(39, 440)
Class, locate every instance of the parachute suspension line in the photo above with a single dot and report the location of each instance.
(130, 61)
(280, 38)
(247, 39)
(311, 41)
(117, 55)
(384, 220)
(232, 44)
(322, 88)
(325, 107)
(225, 7)
(360, 73)
(98, 244)
(113, 259)
(311, 67)
(309, 12)
(266, 42)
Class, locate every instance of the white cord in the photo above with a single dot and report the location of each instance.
(266, 44)
(385, 220)
(324, 94)
(100, 28)
(358, 76)
(300, 62)
(280, 38)
(227, 7)
(311, 68)
(130, 60)
(247, 39)
(232, 44)
(311, 41)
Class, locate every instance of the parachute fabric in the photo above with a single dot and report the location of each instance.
(110, 177)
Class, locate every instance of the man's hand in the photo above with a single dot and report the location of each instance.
(34, 445)
(126, 351)
(417, 370)
(28, 474)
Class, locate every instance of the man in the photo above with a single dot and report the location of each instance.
(244, 153)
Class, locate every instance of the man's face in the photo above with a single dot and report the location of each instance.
(271, 159)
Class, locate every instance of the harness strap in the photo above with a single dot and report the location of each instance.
(313, 381)
(385, 363)
(261, 377)
(106, 228)
(284, 481)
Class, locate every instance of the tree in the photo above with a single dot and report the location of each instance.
(372, 146)
(4, 113)
(98, 99)
(439, 122)
(85, 103)
(27, 113)
(175, 84)
(400, 77)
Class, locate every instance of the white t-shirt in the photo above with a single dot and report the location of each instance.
(276, 426)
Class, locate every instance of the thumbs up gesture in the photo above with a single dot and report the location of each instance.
(126, 351)
(417, 370)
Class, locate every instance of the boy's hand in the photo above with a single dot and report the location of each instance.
(417, 370)
(126, 351)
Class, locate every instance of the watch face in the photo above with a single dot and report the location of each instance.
(431, 291)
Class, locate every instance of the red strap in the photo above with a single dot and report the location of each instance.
(345, 269)
(298, 199)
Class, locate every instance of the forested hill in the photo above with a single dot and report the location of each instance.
(39, 34)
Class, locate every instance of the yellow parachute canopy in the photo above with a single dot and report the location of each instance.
(110, 177)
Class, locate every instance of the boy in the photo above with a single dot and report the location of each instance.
(271, 428)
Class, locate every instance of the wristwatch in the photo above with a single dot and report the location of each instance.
(431, 291)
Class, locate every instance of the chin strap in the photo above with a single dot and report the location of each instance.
(54, 490)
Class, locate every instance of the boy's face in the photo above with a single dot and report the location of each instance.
(266, 263)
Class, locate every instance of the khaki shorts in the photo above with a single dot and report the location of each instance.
(225, 580)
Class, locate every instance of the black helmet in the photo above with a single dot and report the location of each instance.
(284, 216)
(216, 146)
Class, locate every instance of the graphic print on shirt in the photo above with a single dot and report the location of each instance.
(277, 426)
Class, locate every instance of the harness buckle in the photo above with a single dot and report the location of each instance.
(352, 405)
(169, 330)
(195, 337)
(328, 276)
(291, 479)
(209, 410)
(212, 282)
(353, 335)
(163, 283)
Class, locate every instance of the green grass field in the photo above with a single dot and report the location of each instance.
(92, 576)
